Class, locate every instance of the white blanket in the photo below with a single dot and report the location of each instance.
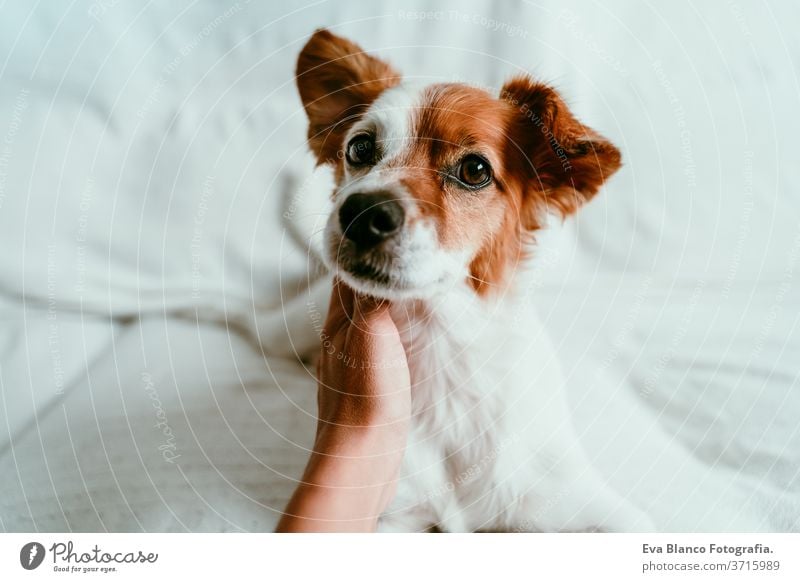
(144, 153)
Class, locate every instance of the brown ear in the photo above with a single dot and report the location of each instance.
(566, 161)
(337, 81)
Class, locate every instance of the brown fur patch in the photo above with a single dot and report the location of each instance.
(542, 158)
(565, 161)
(453, 121)
(337, 82)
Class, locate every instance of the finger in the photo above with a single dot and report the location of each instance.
(342, 298)
(372, 316)
(340, 310)
(366, 305)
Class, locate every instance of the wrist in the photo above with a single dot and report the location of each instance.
(377, 449)
(362, 434)
(363, 459)
(348, 482)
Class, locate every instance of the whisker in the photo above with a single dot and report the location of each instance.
(482, 281)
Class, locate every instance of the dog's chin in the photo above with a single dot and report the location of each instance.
(386, 286)
(379, 276)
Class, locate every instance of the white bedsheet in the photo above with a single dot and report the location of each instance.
(143, 155)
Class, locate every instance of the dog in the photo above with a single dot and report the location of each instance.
(431, 198)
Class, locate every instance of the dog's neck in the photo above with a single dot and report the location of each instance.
(450, 343)
(452, 316)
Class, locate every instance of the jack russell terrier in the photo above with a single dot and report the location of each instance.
(434, 194)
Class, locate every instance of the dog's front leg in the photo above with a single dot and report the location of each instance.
(583, 504)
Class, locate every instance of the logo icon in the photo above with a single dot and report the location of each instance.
(31, 555)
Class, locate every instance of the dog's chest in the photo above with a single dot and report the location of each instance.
(457, 351)
(461, 359)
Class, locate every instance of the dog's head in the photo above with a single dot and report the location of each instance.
(440, 184)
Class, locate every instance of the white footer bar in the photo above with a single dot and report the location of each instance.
(410, 558)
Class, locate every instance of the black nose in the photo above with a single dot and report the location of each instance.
(367, 219)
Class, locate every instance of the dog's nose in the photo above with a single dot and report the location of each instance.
(368, 219)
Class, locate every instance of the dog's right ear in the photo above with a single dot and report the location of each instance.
(565, 160)
(337, 81)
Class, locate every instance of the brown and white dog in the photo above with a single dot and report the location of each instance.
(434, 195)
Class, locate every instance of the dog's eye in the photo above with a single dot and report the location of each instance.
(361, 150)
(474, 171)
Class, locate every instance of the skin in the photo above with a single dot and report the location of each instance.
(364, 399)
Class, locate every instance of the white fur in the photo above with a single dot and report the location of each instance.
(491, 445)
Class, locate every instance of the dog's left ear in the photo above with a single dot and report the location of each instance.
(565, 161)
(337, 81)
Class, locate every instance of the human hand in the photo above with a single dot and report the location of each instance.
(364, 386)
(364, 399)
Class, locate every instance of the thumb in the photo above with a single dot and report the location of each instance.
(372, 315)
(341, 308)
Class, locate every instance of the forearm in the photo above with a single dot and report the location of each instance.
(364, 413)
(346, 486)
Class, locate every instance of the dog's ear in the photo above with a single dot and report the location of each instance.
(337, 81)
(565, 161)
